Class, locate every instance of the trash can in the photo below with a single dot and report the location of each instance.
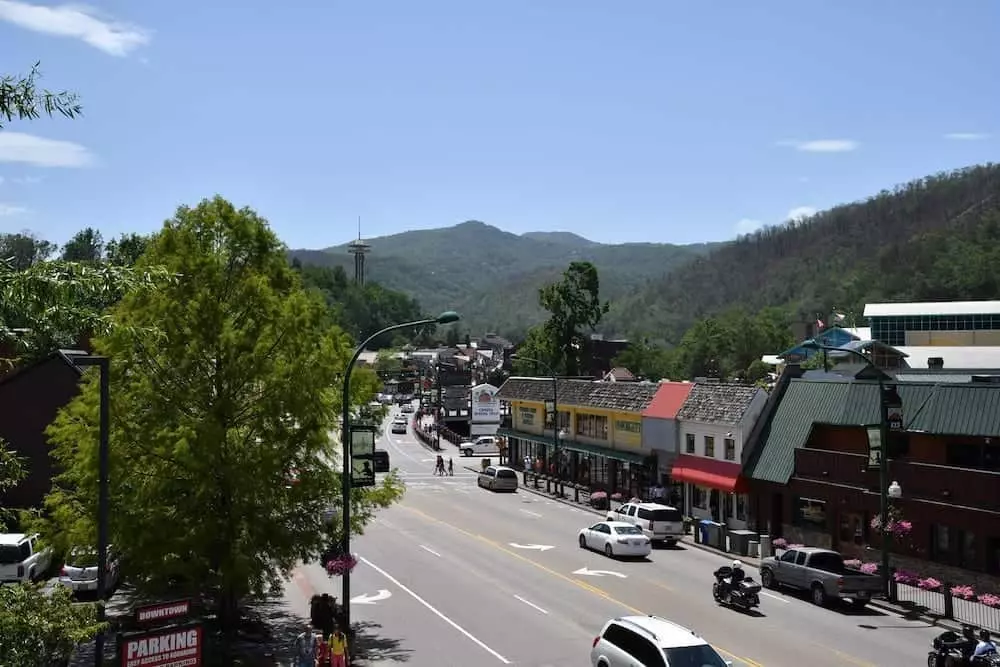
(739, 541)
(703, 530)
(766, 551)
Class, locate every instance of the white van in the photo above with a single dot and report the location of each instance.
(484, 444)
(660, 523)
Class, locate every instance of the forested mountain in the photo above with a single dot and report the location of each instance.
(491, 276)
(936, 238)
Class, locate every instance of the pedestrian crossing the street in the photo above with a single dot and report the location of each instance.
(460, 482)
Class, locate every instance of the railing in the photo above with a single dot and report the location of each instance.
(950, 602)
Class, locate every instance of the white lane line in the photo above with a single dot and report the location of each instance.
(531, 604)
(532, 513)
(430, 551)
(774, 597)
(400, 450)
(434, 611)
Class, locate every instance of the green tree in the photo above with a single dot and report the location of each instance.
(536, 345)
(87, 245)
(126, 249)
(223, 398)
(388, 361)
(24, 249)
(21, 99)
(39, 629)
(649, 361)
(573, 304)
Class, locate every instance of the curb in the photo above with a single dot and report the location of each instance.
(878, 604)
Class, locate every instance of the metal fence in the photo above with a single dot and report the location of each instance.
(945, 604)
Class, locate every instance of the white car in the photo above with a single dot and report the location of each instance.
(661, 523)
(616, 538)
(484, 444)
(497, 478)
(651, 641)
(79, 573)
(22, 559)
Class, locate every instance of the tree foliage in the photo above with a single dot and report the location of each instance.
(40, 629)
(574, 306)
(87, 245)
(22, 99)
(224, 393)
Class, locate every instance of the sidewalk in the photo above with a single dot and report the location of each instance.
(688, 541)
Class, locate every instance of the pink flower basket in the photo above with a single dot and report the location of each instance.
(929, 584)
(963, 592)
(340, 565)
(869, 568)
(990, 600)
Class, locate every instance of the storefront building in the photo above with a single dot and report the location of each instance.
(810, 481)
(600, 431)
(661, 435)
(715, 421)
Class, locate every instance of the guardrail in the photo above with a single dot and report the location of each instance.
(956, 603)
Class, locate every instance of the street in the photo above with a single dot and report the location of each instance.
(457, 575)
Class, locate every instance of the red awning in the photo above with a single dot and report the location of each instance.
(699, 470)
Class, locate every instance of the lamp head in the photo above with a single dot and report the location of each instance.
(448, 317)
(895, 490)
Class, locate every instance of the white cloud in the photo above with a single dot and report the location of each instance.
(748, 226)
(78, 22)
(800, 212)
(967, 136)
(10, 209)
(822, 145)
(41, 152)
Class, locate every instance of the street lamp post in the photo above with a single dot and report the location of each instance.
(103, 501)
(555, 414)
(447, 317)
(886, 395)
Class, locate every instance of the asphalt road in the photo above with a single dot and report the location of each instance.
(470, 577)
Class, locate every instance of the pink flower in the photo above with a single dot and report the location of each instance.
(906, 577)
(869, 568)
(929, 584)
(779, 543)
(963, 592)
(904, 527)
(336, 567)
(990, 600)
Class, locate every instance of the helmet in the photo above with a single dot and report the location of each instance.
(737, 565)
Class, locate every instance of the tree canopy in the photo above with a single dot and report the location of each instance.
(225, 386)
(22, 99)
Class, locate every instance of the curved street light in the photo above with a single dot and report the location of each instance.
(885, 489)
(447, 317)
(555, 413)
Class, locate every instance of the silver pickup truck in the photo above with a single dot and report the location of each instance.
(821, 572)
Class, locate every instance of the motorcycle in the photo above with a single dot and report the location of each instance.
(952, 645)
(744, 594)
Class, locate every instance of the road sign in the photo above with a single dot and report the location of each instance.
(362, 455)
(874, 445)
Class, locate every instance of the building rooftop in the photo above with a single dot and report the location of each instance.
(668, 401)
(940, 409)
(932, 308)
(615, 396)
(965, 357)
(717, 402)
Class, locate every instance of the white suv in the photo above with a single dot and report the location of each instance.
(653, 642)
(660, 523)
(22, 558)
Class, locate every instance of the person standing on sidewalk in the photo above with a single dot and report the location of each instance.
(306, 648)
(335, 653)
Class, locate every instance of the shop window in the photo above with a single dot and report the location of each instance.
(689, 443)
(709, 446)
(730, 449)
(699, 497)
(852, 528)
(953, 546)
(810, 512)
(599, 472)
(527, 416)
(993, 555)
(563, 419)
(592, 426)
(741, 507)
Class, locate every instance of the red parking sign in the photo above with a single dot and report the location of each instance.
(175, 647)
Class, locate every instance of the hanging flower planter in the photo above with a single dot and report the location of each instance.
(338, 566)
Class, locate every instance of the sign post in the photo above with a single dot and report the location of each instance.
(362, 455)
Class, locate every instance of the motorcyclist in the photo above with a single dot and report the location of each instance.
(964, 645)
(986, 646)
(735, 577)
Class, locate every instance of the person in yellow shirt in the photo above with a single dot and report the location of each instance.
(336, 651)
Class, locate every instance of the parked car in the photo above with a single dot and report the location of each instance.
(651, 640)
(380, 459)
(660, 523)
(498, 478)
(484, 444)
(615, 538)
(408, 408)
(22, 558)
(79, 573)
(821, 572)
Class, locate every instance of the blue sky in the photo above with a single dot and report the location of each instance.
(622, 121)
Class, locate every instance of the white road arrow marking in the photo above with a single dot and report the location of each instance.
(372, 599)
(599, 573)
(535, 547)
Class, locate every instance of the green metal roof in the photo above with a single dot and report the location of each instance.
(573, 445)
(942, 409)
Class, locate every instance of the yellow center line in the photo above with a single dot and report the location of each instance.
(559, 575)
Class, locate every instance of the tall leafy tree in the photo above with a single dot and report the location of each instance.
(24, 249)
(223, 398)
(126, 249)
(574, 304)
(87, 245)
